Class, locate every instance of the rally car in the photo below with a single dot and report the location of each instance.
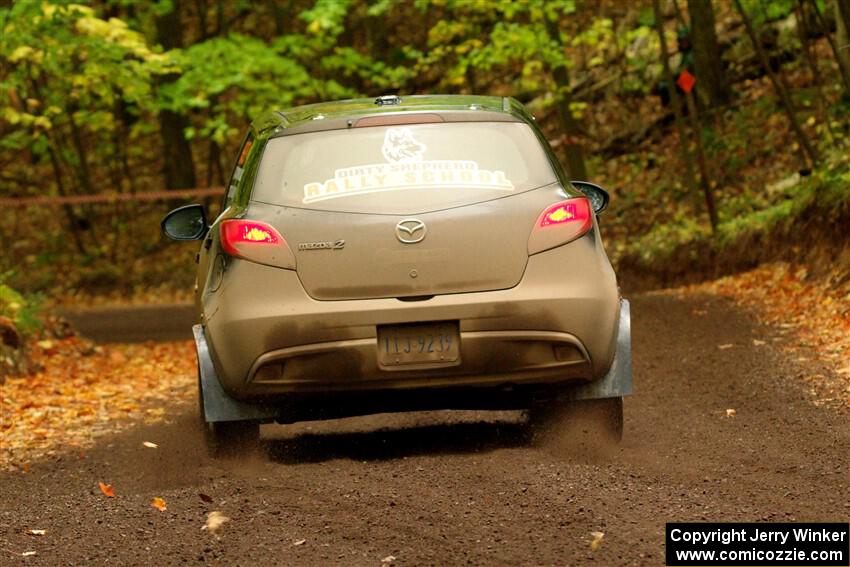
(399, 254)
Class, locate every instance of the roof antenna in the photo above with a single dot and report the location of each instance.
(387, 99)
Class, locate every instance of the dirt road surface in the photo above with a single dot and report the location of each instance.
(464, 489)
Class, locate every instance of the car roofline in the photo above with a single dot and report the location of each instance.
(315, 117)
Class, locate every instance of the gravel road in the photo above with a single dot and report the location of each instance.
(464, 489)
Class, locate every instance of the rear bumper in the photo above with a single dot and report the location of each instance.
(489, 358)
(267, 336)
(220, 406)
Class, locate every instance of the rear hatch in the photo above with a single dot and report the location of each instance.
(405, 210)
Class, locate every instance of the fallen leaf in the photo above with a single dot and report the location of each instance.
(150, 445)
(117, 357)
(159, 504)
(757, 342)
(205, 498)
(731, 412)
(300, 542)
(37, 532)
(69, 400)
(106, 489)
(596, 542)
(46, 345)
(215, 520)
(28, 553)
(724, 347)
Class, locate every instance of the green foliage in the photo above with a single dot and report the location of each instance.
(232, 79)
(664, 239)
(325, 20)
(21, 310)
(66, 64)
(503, 36)
(760, 221)
(226, 81)
(640, 47)
(762, 11)
(830, 186)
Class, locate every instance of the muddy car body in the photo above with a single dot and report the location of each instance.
(397, 254)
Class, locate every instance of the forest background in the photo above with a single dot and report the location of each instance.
(719, 127)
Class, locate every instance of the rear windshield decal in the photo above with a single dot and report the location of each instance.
(406, 169)
(401, 146)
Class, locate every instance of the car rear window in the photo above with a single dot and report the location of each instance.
(402, 168)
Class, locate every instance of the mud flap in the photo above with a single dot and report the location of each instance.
(618, 381)
(218, 405)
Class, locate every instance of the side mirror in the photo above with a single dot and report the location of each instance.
(597, 195)
(185, 223)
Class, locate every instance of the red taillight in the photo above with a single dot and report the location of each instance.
(560, 223)
(574, 210)
(256, 241)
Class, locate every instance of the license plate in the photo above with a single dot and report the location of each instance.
(426, 345)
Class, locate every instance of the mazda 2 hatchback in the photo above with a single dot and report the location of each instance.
(400, 254)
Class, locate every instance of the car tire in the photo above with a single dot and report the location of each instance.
(227, 438)
(580, 423)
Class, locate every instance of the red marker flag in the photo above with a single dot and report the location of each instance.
(686, 81)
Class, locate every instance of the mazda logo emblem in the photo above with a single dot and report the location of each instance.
(410, 231)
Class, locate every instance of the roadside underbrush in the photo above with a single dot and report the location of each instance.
(117, 255)
(19, 323)
(805, 220)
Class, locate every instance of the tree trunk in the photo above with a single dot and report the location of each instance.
(842, 19)
(843, 68)
(121, 137)
(220, 23)
(83, 172)
(710, 74)
(178, 167)
(804, 33)
(201, 9)
(576, 168)
(73, 221)
(779, 87)
(684, 151)
(842, 25)
(677, 12)
(471, 83)
(693, 115)
(282, 14)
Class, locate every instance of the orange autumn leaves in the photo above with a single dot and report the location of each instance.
(815, 309)
(109, 492)
(82, 392)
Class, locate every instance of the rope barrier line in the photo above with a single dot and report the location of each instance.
(110, 198)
